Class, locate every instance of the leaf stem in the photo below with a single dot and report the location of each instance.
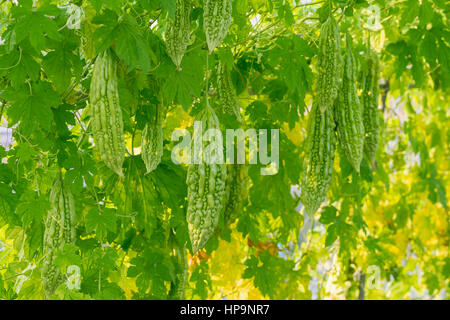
(17, 63)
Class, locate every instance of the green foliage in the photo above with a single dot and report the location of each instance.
(139, 236)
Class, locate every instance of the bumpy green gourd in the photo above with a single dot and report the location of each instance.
(152, 142)
(329, 64)
(178, 32)
(227, 93)
(217, 21)
(348, 113)
(321, 144)
(236, 191)
(107, 124)
(370, 106)
(206, 190)
(182, 277)
(59, 230)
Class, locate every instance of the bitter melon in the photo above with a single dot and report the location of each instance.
(178, 32)
(227, 93)
(329, 64)
(216, 21)
(321, 144)
(370, 97)
(236, 191)
(152, 142)
(59, 230)
(206, 190)
(182, 277)
(107, 124)
(348, 112)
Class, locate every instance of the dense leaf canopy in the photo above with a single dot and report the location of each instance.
(383, 233)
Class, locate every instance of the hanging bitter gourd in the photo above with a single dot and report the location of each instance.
(206, 189)
(59, 230)
(371, 115)
(329, 63)
(237, 184)
(152, 142)
(227, 92)
(217, 21)
(348, 112)
(182, 277)
(321, 144)
(178, 32)
(107, 124)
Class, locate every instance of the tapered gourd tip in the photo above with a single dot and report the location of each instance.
(356, 165)
(323, 109)
(373, 165)
(120, 173)
(310, 210)
(210, 49)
